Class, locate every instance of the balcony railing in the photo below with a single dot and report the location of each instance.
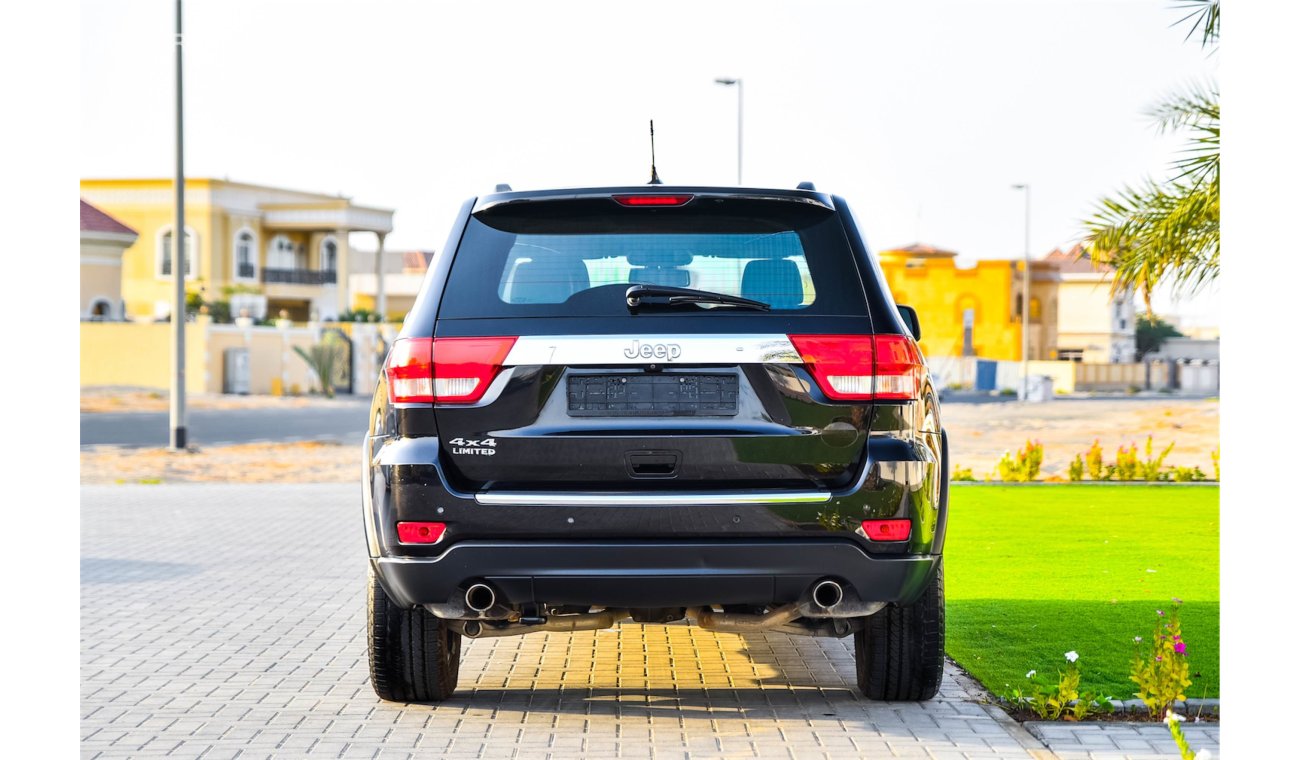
(247, 271)
(300, 276)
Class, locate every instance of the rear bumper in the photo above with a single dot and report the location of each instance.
(653, 573)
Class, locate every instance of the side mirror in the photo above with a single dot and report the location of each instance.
(911, 320)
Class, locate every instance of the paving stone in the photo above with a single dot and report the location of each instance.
(205, 633)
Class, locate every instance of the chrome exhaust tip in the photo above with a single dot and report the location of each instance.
(827, 594)
(480, 597)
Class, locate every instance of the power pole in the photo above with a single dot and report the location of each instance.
(1024, 306)
(177, 414)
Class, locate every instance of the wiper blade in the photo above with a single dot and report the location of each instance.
(664, 295)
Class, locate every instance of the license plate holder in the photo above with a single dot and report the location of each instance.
(713, 394)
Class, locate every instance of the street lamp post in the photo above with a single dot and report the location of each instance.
(179, 259)
(740, 123)
(1024, 305)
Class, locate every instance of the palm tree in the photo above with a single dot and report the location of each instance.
(1169, 231)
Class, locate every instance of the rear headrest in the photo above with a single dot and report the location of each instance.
(669, 276)
(548, 281)
(773, 281)
(659, 258)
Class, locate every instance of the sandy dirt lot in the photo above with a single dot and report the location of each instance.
(104, 400)
(308, 462)
(978, 433)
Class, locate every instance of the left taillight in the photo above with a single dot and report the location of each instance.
(445, 370)
(410, 371)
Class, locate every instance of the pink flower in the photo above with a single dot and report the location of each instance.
(1180, 648)
(1161, 613)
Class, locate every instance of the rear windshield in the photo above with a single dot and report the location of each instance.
(578, 258)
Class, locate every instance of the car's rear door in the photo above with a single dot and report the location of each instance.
(547, 382)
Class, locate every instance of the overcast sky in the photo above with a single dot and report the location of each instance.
(921, 114)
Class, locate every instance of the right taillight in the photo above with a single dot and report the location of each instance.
(444, 371)
(862, 367)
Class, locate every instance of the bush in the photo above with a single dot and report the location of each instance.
(1161, 672)
(322, 358)
(1186, 475)
(1214, 456)
(1096, 469)
(1024, 467)
(1051, 704)
(960, 473)
(1076, 468)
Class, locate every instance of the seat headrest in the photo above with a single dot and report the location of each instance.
(548, 281)
(669, 276)
(773, 281)
(659, 258)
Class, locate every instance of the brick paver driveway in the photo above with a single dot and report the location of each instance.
(228, 621)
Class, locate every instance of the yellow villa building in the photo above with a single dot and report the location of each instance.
(974, 311)
(281, 250)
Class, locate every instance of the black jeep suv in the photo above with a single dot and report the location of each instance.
(657, 403)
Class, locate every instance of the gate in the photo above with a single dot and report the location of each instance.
(342, 380)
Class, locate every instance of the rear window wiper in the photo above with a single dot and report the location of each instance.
(664, 295)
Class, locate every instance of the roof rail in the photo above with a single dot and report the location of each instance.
(503, 188)
(806, 185)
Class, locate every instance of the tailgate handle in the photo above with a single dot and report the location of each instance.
(653, 464)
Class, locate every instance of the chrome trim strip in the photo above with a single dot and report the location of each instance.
(551, 499)
(652, 349)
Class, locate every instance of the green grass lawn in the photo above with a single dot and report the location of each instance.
(1034, 572)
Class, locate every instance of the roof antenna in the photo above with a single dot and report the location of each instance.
(654, 175)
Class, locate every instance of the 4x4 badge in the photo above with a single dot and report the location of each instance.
(484, 448)
(641, 350)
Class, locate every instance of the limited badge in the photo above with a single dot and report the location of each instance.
(483, 448)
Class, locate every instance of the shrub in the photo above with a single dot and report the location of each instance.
(1214, 456)
(1096, 469)
(1161, 672)
(1126, 464)
(322, 358)
(1024, 467)
(1007, 392)
(962, 473)
(1186, 475)
(1150, 469)
(1076, 468)
(1062, 697)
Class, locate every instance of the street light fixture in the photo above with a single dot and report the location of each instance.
(740, 122)
(1024, 305)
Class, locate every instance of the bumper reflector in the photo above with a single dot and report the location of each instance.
(887, 530)
(420, 532)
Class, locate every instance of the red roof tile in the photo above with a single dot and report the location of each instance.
(1076, 261)
(94, 220)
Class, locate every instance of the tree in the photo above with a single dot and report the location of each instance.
(1169, 231)
(322, 358)
(1151, 332)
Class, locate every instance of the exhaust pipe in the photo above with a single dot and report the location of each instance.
(742, 623)
(561, 623)
(827, 594)
(480, 597)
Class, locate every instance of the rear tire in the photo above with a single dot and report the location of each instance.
(900, 651)
(414, 656)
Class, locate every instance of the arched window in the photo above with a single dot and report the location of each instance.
(245, 255)
(329, 254)
(100, 309)
(165, 252)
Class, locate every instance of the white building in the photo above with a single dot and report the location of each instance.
(1092, 325)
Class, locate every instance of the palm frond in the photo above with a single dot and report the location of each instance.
(1204, 17)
